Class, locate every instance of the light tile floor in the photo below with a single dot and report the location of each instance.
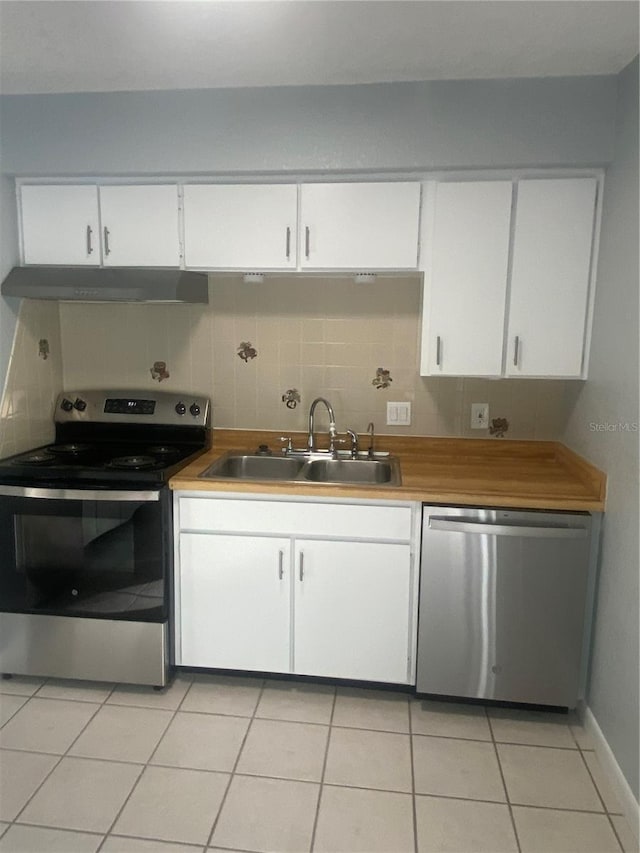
(243, 764)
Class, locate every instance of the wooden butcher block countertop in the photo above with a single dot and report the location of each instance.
(459, 471)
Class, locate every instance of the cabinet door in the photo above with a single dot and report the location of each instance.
(246, 227)
(550, 278)
(60, 225)
(359, 226)
(234, 602)
(352, 610)
(140, 226)
(466, 279)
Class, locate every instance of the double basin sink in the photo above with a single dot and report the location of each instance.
(361, 471)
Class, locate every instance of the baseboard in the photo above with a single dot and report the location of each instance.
(615, 776)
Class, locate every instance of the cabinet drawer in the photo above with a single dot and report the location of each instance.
(298, 519)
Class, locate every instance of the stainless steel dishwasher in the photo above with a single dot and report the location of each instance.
(502, 604)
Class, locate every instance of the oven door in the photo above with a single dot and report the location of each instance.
(85, 553)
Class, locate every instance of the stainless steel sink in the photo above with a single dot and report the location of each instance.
(357, 471)
(362, 471)
(247, 467)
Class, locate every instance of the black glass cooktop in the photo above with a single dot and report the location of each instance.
(109, 461)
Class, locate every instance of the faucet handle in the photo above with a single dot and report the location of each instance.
(333, 437)
(354, 442)
(289, 448)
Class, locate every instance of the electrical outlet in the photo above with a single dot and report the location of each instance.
(398, 414)
(479, 416)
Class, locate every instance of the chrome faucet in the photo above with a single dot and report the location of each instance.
(370, 431)
(311, 442)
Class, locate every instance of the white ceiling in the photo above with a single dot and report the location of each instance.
(123, 45)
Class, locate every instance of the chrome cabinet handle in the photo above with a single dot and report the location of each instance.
(306, 242)
(89, 246)
(301, 566)
(516, 350)
(438, 350)
(280, 565)
(107, 249)
(288, 243)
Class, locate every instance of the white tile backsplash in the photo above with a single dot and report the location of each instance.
(322, 336)
(32, 382)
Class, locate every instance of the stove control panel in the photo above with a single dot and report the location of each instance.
(127, 406)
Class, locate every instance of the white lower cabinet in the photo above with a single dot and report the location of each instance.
(235, 601)
(352, 609)
(321, 604)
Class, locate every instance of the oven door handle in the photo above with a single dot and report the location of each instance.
(80, 494)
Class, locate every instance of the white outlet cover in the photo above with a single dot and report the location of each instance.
(479, 416)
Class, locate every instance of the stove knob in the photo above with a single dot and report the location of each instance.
(66, 405)
(80, 405)
(181, 408)
(194, 408)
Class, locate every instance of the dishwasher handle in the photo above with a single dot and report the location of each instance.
(452, 526)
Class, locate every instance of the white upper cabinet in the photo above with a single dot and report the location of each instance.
(140, 226)
(60, 224)
(508, 294)
(359, 226)
(241, 226)
(466, 244)
(552, 255)
(107, 225)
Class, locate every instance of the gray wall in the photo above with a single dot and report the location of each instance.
(611, 397)
(8, 259)
(458, 124)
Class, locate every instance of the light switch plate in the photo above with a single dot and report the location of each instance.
(398, 414)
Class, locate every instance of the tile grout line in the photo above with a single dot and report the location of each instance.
(214, 825)
(595, 785)
(144, 765)
(504, 782)
(615, 831)
(45, 826)
(502, 803)
(324, 769)
(604, 805)
(9, 718)
(27, 699)
(64, 754)
(413, 781)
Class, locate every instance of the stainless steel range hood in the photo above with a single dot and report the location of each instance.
(88, 284)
